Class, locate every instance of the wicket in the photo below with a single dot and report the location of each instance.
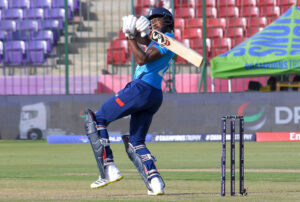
(232, 154)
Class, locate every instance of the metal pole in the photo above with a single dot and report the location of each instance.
(66, 48)
(242, 159)
(232, 156)
(223, 156)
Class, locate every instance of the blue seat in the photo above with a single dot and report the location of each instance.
(36, 52)
(28, 25)
(12, 14)
(8, 25)
(14, 52)
(46, 35)
(23, 4)
(3, 4)
(40, 4)
(34, 14)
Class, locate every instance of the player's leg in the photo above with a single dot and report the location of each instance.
(108, 171)
(139, 125)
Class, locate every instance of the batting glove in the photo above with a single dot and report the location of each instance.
(129, 26)
(142, 25)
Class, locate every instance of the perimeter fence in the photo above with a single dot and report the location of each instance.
(77, 46)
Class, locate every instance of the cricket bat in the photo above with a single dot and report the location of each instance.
(176, 47)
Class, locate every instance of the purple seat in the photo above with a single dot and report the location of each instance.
(23, 35)
(3, 4)
(36, 52)
(12, 14)
(76, 4)
(34, 14)
(14, 52)
(3, 35)
(61, 4)
(55, 13)
(1, 51)
(8, 25)
(40, 3)
(46, 35)
(23, 4)
(29, 25)
(54, 25)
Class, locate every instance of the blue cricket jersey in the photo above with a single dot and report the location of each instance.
(153, 72)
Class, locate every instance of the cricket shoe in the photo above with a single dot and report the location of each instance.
(157, 185)
(112, 174)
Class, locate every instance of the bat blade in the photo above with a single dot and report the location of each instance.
(176, 47)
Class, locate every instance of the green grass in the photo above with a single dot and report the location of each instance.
(37, 171)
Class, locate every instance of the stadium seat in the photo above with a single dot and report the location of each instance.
(216, 22)
(184, 12)
(121, 35)
(223, 43)
(210, 13)
(184, 3)
(177, 34)
(3, 4)
(56, 13)
(208, 3)
(253, 30)
(36, 52)
(262, 3)
(145, 3)
(46, 35)
(270, 11)
(12, 14)
(235, 32)
(116, 57)
(24, 35)
(260, 21)
(179, 23)
(34, 14)
(23, 4)
(286, 2)
(246, 3)
(192, 33)
(227, 3)
(28, 25)
(249, 12)
(229, 12)
(117, 44)
(198, 44)
(237, 22)
(41, 4)
(8, 25)
(1, 51)
(14, 52)
(54, 25)
(3, 35)
(214, 32)
(142, 10)
(61, 4)
(194, 23)
(218, 51)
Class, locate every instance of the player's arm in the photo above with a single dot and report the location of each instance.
(142, 57)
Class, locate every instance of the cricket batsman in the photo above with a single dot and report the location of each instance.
(141, 98)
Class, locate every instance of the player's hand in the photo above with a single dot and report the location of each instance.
(142, 25)
(129, 23)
